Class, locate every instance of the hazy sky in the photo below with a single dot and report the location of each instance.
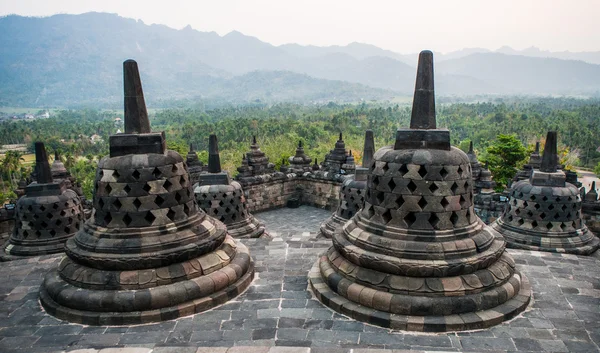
(402, 26)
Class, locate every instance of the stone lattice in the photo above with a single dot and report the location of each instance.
(46, 216)
(224, 200)
(544, 212)
(417, 257)
(590, 208)
(148, 254)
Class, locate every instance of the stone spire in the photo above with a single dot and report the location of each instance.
(148, 254)
(136, 116)
(336, 161)
(254, 164)
(416, 256)
(300, 162)
(550, 156)
(214, 160)
(592, 195)
(368, 149)
(44, 175)
(423, 110)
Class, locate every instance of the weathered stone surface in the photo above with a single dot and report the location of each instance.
(544, 212)
(148, 254)
(46, 216)
(254, 163)
(416, 257)
(338, 160)
(300, 162)
(590, 209)
(194, 165)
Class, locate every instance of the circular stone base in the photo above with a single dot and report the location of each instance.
(17, 251)
(247, 228)
(145, 297)
(331, 224)
(458, 322)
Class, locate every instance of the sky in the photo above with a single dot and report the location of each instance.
(402, 26)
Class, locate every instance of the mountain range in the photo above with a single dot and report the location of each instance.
(73, 60)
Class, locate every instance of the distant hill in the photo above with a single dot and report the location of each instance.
(70, 60)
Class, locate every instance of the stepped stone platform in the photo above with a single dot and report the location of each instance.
(277, 314)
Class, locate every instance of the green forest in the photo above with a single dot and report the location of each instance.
(509, 123)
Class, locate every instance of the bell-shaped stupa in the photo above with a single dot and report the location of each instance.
(148, 254)
(535, 160)
(417, 257)
(47, 215)
(254, 163)
(544, 212)
(482, 178)
(224, 199)
(300, 162)
(194, 165)
(590, 208)
(352, 193)
(338, 158)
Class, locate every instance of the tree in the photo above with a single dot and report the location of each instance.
(597, 169)
(505, 155)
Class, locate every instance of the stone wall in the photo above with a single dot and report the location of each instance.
(276, 193)
(7, 223)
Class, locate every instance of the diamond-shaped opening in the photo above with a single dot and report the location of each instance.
(545, 198)
(127, 188)
(569, 215)
(443, 173)
(30, 208)
(574, 206)
(44, 224)
(58, 222)
(137, 203)
(444, 202)
(233, 217)
(403, 169)
(534, 224)
(557, 199)
(358, 192)
(49, 215)
(537, 206)
(510, 218)
(520, 195)
(77, 225)
(39, 233)
(369, 211)
(532, 197)
(107, 218)
(167, 185)
(556, 216)
(514, 202)
(542, 215)
(147, 187)
(525, 204)
(411, 186)
(108, 189)
(467, 185)
(459, 170)
(186, 209)
(433, 188)
(380, 197)
(549, 225)
(462, 201)
(564, 207)
(434, 220)
(63, 212)
(573, 224)
(174, 169)
(36, 216)
(42, 208)
(520, 221)
(227, 210)
(399, 201)
(551, 207)
(116, 174)
(386, 216)
(375, 181)
(454, 187)
(52, 232)
(385, 167)
(410, 218)
(100, 203)
(127, 219)
(117, 204)
(392, 185)
(221, 203)
(454, 218)
(422, 203)
(136, 174)
(468, 214)
(178, 197)
(182, 182)
(171, 214)
(25, 234)
(156, 173)
(55, 206)
(159, 200)
(517, 211)
(422, 171)
(563, 226)
(149, 217)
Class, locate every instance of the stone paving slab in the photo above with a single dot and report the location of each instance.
(277, 314)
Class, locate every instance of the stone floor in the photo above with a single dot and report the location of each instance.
(278, 315)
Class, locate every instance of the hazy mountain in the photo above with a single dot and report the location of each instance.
(76, 59)
(592, 57)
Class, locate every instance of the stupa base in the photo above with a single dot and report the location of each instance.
(332, 224)
(211, 287)
(368, 302)
(247, 228)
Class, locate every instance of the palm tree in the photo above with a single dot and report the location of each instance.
(10, 164)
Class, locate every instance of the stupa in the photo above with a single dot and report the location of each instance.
(337, 158)
(59, 171)
(544, 212)
(352, 193)
(535, 160)
(590, 207)
(47, 215)
(224, 199)
(148, 254)
(194, 165)
(300, 162)
(417, 257)
(254, 163)
(482, 177)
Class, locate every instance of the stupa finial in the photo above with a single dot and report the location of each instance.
(254, 139)
(368, 149)
(537, 147)
(136, 115)
(550, 156)
(214, 160)
(471, 148)
(340, 138)
(423, 110)
(44, 175)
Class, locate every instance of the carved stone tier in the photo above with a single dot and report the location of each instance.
(300, 162)
(254, 163)
(337, 158)
(227, 203)
(352, 197)
(148, 254)
(544, 212)
(416, 257)
(194, 165)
